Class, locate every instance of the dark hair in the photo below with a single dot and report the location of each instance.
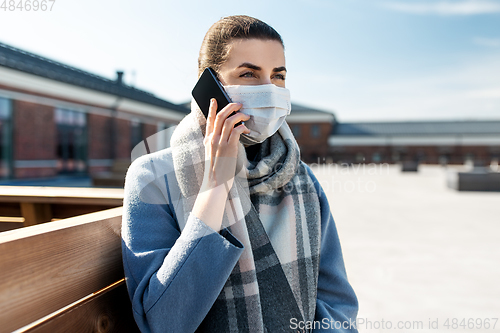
(214, 48)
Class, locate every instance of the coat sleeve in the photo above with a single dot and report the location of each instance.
(173, 277)
(336, 304)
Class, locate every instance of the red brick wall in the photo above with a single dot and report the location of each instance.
(35, 135)
(99, 131)
(35, 138)
(123, 148)
(312, 148)
(99, 136)
(149, 129)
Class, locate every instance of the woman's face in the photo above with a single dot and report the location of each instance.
(254, 62)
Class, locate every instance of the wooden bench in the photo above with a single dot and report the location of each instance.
(65, 276)
(29, 205)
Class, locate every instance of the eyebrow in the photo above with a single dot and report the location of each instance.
(279, 69)
(257, 68)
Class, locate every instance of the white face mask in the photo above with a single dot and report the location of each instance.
(266, 104)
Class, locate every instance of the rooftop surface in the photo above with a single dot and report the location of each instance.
(414, 249)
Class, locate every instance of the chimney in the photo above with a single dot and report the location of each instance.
(119, 77)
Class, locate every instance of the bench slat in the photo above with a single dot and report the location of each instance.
(66, 195)
(46, 267)
(108, 310)
(9, 225)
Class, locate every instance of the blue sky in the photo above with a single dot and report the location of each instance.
(364, 60)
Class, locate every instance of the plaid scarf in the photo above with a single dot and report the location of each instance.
(273, 209)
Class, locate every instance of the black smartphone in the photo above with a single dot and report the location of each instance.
(208, 87)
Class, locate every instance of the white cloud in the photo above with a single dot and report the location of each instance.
(469, 7)
(489, 42)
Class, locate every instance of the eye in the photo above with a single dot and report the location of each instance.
(279, 77)
(247, 74)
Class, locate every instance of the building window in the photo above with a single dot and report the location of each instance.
(376, 157)
(315, 131)
(71, 141)
(421, 157)
(5, 138)
(135, 132)
(296, 130)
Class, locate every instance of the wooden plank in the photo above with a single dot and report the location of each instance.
(6, 226)
(35, 213)
(62, 195)
(108, 310)
(48, 266)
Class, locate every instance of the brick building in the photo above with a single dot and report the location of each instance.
(430, 142)
(56, 119)
(311, 128)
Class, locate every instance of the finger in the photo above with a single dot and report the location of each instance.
(212, 110)
(222, 115)
(229, 124)
(236, 132)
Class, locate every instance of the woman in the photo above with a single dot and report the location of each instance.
(228, 230)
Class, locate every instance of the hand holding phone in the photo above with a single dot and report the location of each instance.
(221, 143)
(207, 87)
(221, 136)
